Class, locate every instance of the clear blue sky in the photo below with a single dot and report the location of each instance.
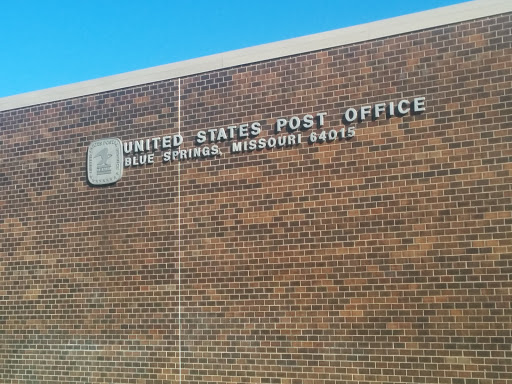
(46, 43)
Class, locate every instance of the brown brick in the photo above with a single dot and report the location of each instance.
(385, 258)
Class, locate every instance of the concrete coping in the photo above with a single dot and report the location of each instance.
(383, 28)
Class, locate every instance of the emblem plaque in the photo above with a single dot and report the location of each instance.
(105, 161)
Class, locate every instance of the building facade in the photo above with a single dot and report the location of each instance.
(330, 209)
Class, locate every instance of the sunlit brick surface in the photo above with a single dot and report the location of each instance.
(386, 258)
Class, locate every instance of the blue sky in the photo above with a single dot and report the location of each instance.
(47, 43)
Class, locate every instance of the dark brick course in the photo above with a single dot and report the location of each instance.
(386, 258)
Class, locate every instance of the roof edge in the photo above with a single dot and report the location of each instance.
(378, 29)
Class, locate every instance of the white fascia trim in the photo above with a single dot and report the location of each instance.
(389, 27)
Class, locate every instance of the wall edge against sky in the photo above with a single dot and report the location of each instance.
(339, 37)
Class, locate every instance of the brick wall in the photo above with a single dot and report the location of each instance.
(385, 258)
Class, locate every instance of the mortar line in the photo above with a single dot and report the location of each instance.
(179, 236)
